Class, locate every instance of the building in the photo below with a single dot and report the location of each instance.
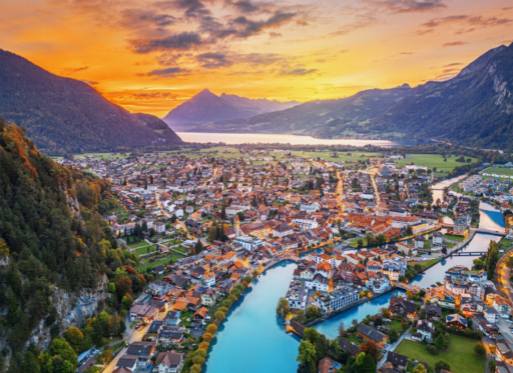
(372, 334)
(168, 362)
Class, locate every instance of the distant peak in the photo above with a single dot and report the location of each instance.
(206, 93)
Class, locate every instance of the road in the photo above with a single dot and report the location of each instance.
(133, 335)
(504, 275)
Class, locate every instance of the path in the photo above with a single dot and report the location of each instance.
(392, 347)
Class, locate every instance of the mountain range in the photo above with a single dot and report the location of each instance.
(65, 115)
(205, 109)
(473, 108)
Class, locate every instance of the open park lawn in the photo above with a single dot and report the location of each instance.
(433, 161)
(460, 355)
(500, 171)
(349, 157)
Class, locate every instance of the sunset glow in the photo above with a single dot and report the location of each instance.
(149, 56)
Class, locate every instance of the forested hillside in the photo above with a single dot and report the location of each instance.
(53, 240)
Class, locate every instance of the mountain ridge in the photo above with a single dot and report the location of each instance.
(206, 108)
(475, 107)
(61, 114)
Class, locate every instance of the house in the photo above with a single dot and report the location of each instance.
(490, 315)
(348, 347)
(433, 311)
(141, 352)
(371, 334)
(328, 365)
(456, 321)
(402, 307)
(425, 331)
(121, 370)
(170, 334)
(168, 362)
(173, 318)
(127, 363)
(437, 239)
(248, 242)
(143, 312)
(398, 361)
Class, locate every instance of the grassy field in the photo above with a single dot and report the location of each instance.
(426, 263)
(148, 264)
(337, 156)
(453, 237)
(433, 161)
(460, 355)
(501, 171)
(103, 156)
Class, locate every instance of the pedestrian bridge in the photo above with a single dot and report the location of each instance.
(495, 232)
(469, 253)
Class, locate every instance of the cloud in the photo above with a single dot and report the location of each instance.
(454, 43)
(298, 71)
(245, 6)
(453, 64)
(181, 41)
(168, 71)
(243, 27)
(470, 23)
(76, 69)
(213, 60)
(409, 6)
(141, 18)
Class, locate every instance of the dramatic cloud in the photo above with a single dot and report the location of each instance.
(246, 6)
(139, 18)
(182, 41)
(213, 60)
(168, 71)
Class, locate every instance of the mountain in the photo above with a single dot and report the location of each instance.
(204, 109)
(473, 108)
(56, 252)
(66, 115)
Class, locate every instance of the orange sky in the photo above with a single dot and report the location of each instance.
(149, 56)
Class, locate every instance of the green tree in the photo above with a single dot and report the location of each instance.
(442, 365)
(312, 313)
(283, 307)
(420, 368)
(75, 337)
(63, 357)
(307, 357)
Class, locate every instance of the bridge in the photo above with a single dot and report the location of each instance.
(406, 287)
(494, 232)
(468, 253)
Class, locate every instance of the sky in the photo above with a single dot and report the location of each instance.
(151, 55)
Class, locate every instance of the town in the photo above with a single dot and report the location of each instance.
(206, 224)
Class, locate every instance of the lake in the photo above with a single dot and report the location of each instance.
(273, 138)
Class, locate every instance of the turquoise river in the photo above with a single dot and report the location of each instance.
(253, 341)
